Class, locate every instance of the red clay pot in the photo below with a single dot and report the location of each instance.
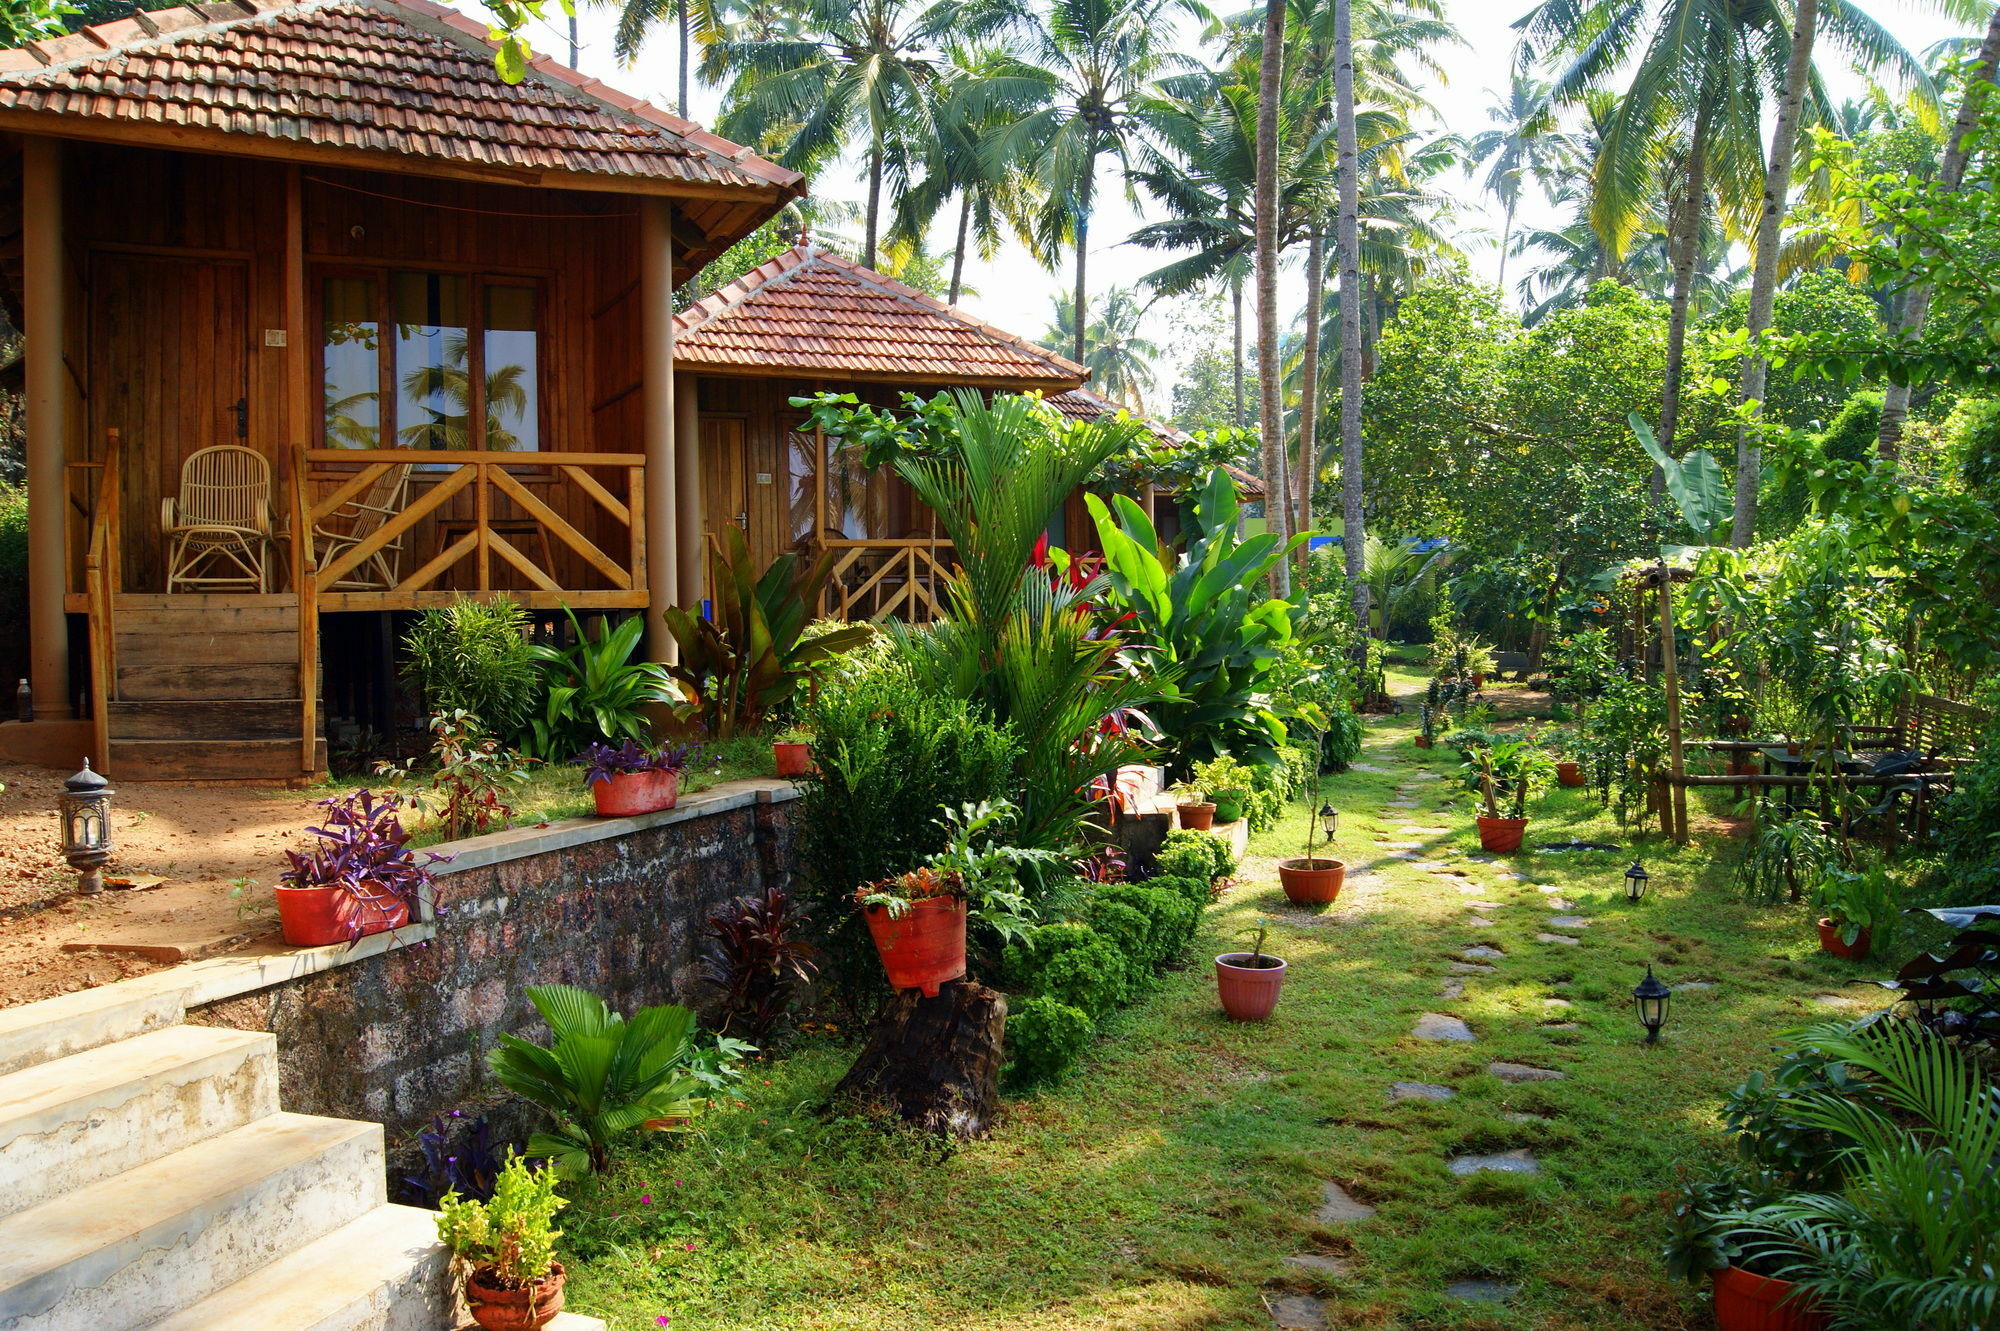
(1829, 941)
(524, 1309)
(1502, 836)
(1311, 882)
(1197, 817)
(1746, 1302)
(792, 759)
(317, 916)
(1479, 679)
(1425, 741)
(630, 793)
(1570, 774)
(924, 949)
(1248, 993)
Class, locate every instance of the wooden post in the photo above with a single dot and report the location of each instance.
(656, 370)
(1673, 811)
(689, 520)
(45, 292)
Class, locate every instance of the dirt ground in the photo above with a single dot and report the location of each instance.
(202, 841)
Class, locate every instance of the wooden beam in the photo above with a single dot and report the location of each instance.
(354, 555)
(561, 529)
(689, 521)
(400, 599)
(656, 417)
(45, 296)
(589, 484)
(460, 457)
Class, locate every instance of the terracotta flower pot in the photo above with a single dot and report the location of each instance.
(1829, 941)
(924, 949)
(1197, 817)
(1479, 679)
(1570, 774)
(1502, 836)
(792, 759)
(1311, 882)
(1425, 741)
(523, 1309)
(317, 916)
(1746, 1302)
(1248, 993)
(630, 793)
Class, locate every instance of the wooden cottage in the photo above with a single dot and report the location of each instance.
(326, 321)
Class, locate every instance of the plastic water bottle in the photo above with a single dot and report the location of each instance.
(24, 702)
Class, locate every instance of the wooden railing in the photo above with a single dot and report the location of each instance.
(878, 579)
(492, 479)
(102, 580)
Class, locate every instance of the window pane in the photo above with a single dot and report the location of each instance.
(513, 404)
(433, 382)
(858, 502)
(801, 468)
(350, 351)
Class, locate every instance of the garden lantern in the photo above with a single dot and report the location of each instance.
(1636, 879)
(86, 826)
(1329, 820)
(1651, 997)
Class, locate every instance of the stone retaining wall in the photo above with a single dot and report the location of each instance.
(616, 906)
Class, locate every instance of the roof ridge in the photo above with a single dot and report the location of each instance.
(732, 294)
(889, 284)
(140, 30)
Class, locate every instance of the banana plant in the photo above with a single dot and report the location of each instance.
(753, 654)
(1696, 483)
(1207, 632)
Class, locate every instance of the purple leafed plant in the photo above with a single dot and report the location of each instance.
(362, 849)
(604, 761)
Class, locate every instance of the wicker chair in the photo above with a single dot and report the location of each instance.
(358, 519)
(218, 530)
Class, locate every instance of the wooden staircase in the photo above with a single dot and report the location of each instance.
(206, 688)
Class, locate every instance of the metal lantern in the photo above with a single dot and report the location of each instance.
(1329, 820)
(86, 826)
(1651, 998)
(1636, 879)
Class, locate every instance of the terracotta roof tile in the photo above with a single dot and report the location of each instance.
(411, 78)
(811, 310)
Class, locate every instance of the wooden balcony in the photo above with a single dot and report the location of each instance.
(887, 579)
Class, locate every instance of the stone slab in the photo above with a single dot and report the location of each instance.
(1564, 939)
(1569, 921)
(1521, 1161)
(1298, 1312)
(1479, 922)
(1438, 1026)
(1452, 989)
(1481, 951)
(1338, 1207)
(1480, 1291)
(1323, 1263)
(1523, 1072)
(1420, 1090)
(1472, 968)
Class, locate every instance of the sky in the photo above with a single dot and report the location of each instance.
(1015, 293)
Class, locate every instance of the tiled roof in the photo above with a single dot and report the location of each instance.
(811, 311)
(1081, 404)
(414, 79)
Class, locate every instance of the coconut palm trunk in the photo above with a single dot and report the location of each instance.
(1764, 277)
(958, 251)
(1916, 305)
(1685, 242)
(1347, 244)
(1270, 371)
(1308, 469)
(1236, 332)
(1080, 301)
(687, 38)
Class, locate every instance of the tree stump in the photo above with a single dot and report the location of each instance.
(934, 1062)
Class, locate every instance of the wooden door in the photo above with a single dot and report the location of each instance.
(169, 369)
(725, 481)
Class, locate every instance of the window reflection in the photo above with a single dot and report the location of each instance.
(513, 411)
(351, 358)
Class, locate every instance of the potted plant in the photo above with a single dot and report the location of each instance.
(1476, 663)
(1196, 811)
(1569, 772)
(791, 751)
(917, 920)
(1710, 1238)
(1228, 784)
(1856, 905)
(1248, 983)
(1314, 880)
(1513, 770)
(631, 778)
(506, 1248)
(358, 877)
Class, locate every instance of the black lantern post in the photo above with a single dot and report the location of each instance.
(1329, 820)
(1651, 998)
(1636, 879)
(86, 827)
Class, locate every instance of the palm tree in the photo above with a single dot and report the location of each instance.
(858, 70)
(1347, 246)
(1270, 375)
(1120, 361)
(1523, 147)
(1089, 67)
(1696, 75)
(701, 21)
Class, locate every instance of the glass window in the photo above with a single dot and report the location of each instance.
(513, 408)
(802, 468)
(434, 378)
(351, 358)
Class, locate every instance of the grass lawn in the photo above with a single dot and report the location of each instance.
(1166, 1182)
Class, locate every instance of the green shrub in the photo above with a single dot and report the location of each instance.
(1968, 828)
(1168, 916)
(1197, 892)
(1073, 964)
(475, 657)
(1342, 747)
(1045, 1038)
(1191, 854)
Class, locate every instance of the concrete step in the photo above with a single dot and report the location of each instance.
(130, 1249)
(58, 1027)
(86, 1117)
(383, 1272)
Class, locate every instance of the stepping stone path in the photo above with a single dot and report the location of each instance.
(1338, 1208)
(1482, 905)
(1366, 767)
(1692, 986)
(1479, 922)
(1324, 1263)
(1556, 1004)
(1480, 952)
(1569, 921)
(1523, 1072)
(1438, 1026)
(1298, 1312)
(1481, 1291)
(1836, 1000)
(1420, 1090)
(1401, 845)
(1404, 855)
(1564, 939)
(1404, 804)
(1452, 989)
(1472, 968)
(1429, 831)
(1506, 1162)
